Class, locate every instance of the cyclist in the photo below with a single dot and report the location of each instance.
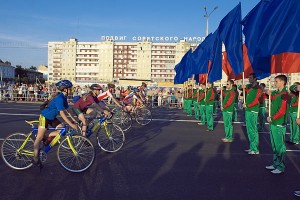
(89, 104)
(58, 105)
(108, 93)
(142, 91)
(128, 100)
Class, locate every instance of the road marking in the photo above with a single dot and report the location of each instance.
(17, 109)
(19, 114)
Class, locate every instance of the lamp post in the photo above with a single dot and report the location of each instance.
(207, 16)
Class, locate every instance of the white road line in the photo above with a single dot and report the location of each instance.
(17, 109)
(19, 114)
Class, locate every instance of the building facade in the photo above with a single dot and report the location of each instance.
(107, 61)
(7, 72)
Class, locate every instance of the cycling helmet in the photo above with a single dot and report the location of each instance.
(144, 84)
(61, 85)
(95, 87)
(111, 85)
(136, 89)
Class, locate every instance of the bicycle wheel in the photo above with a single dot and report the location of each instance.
(110, 138)
(143, 116)
(122, 119)
(80, 161)
(14, 159)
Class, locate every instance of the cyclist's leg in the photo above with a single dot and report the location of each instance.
(56, 124)
(39, 137)
(81, 117)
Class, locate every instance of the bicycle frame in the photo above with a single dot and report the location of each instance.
(102, 122)
(34, 130)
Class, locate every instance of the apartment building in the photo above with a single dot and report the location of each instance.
(107, 61)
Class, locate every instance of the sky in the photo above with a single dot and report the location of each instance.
(28, 25)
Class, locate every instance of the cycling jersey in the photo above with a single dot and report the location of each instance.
(128, 99)
(82, 104)
(59, 103)
(104, 95)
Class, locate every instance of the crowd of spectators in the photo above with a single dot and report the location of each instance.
(159, 96)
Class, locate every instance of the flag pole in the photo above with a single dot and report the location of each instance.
(298, 113)
(270, 97)
(244, 95)
(221, 94)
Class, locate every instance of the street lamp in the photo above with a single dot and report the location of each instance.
(207, 16)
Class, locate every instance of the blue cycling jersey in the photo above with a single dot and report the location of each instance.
(59, 103)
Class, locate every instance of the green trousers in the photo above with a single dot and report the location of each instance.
(227, 117)
(215, 107)
(261, 118)
(294, 137)
(209, 117)
(184, 105)
(277, 137)
(251, 126)
(234, 114)
(189, 110)
(202, 114)
(197, 109)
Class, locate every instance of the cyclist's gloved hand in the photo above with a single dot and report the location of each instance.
(107, 113)
(74, 126)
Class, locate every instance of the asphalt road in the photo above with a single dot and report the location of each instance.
(171, 158)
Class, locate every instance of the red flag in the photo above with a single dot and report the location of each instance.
(228, 70)
(285, 63)
(202, 78)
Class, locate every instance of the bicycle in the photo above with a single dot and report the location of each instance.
(141, 113)
(74, 153)
(110, 137)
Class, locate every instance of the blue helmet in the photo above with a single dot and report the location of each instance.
(61, 85)
(136, 89)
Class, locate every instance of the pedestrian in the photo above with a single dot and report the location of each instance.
(277, 119)
(227, 109)
(253, 93)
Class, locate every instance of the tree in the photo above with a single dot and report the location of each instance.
(33, 68)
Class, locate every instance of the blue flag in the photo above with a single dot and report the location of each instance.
(215, 72)
(199, 58)
(271, 27)
(230, 30)
(182, 69)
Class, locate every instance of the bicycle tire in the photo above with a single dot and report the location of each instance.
(82, 160)
(114, 141)
(122, 119)
(143, 116)
(9, 153)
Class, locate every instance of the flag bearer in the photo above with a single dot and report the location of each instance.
(188, 100)
(227, 108)
(197, 104)
(293, 108)
(262, 109)
(277, 120)
(201, 100)
(209, 104)
(194, 100)
(236, 100)
(253, 93)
